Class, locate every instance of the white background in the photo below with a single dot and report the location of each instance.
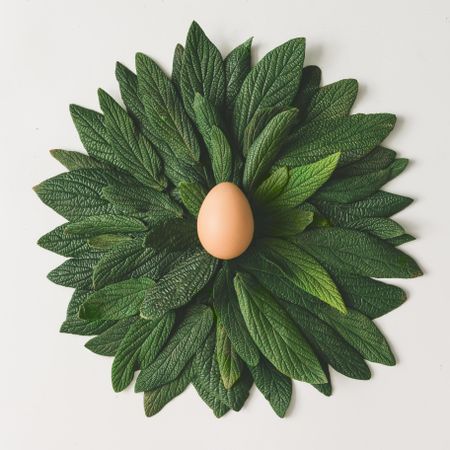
(55, 394)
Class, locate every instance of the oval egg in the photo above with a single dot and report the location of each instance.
(225, 222)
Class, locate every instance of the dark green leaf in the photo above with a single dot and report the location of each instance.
(75, 272)
(177, 65)
(96, 225)
(192, 196)
(181, 347)
(59, 242)
(227, 358)
(274, 332)
(76, 160)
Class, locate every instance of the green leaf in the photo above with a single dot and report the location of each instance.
(220, 155)
(276, 387)
(273, 82)
(172, 236)
(192, 196)
(275, 333)
(170, 124)
(400, 240)
(334, 349)
(309, 85)
(178, 286)
(126, 358)
(82, 188)
(138, 198)
(108, 342)
(92, 131)
(75, 272)
(205, 115)
(156, 399)
(129, 260)
(156, 339)
(76, 160)
(227, 358)
(371, 297)
(116, 301)
(380, 227)
(208, 382)
(132, 152)
(352, 189)
(264, 150)
(202, 70)
(287, 222)
(177, 65)
(259, 121)
(303, 182)
(105, 242)
(181, 347)
(96, 225)
(272, 186)
(290, 262)
(355, 252)
(57, 241)
(332, 101)
(380, 204)
(379, 158)
(237, 66)
(82, 327)
(354, 136)
(227, 309)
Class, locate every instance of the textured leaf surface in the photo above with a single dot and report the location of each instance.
(220, 155)
(354, 136)
(227, 309)
(276, 387)
(156, 399)
(352, 251)
(202, 70)
(264, 150)
(177, 287)
(272, 82)
(275, 333)
(181, 347)
(116, 301)
(75, 272)
(192, 196)
(292, 263)
(75, 160)
(227, 358)
(96, 225)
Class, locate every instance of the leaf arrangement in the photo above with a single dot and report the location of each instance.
(300, 299)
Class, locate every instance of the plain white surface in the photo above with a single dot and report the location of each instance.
(54, 394)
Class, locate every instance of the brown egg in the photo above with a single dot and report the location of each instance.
(225, 222)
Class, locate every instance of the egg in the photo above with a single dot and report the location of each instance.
(225, 222)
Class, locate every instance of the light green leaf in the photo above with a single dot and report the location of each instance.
(192, 196)
(272, 186)
(275, 333)
(276, 387)
(227, 358)
(116, 301)
(202, 70)
(227, 309)
(287, 261)
(354, 136)
(303, 182)
(181, 347)
(264, 150)
(355, 252)
(273, 82)
(178, 286)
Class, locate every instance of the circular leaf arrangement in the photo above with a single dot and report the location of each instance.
(300, 298)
